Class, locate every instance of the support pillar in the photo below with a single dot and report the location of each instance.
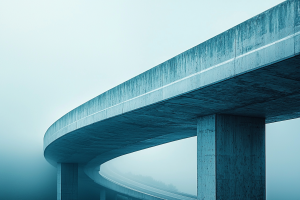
(231, 158)
(102, 194)
(67, 181)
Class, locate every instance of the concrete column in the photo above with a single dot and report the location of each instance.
(231, 158)
(67, 181)
(102, 194)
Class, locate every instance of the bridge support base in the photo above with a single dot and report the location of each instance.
(67, 181)
(231, 157)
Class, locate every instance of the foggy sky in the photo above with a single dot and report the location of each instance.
(56, 55)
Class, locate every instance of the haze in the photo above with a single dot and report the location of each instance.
(56, 55)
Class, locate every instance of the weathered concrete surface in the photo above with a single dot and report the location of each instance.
(250, 70)
(67, 181)
(231, 157)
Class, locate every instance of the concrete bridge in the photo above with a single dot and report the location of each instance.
(223, 90)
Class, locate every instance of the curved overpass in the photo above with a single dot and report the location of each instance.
(130, 184)
(251, 71)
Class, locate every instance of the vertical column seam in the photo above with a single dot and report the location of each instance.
(216, 155)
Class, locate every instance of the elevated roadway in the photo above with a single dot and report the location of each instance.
(223, 90)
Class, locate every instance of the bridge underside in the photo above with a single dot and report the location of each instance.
(271, 92)
(248, 73)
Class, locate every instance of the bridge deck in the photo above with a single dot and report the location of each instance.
(251, 70)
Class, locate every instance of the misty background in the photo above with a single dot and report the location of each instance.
(56, 55)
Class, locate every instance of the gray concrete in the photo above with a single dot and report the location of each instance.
(67, 181)
(251, 70)
(231, 157)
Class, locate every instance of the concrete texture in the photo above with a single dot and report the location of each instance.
(250, 70)
(67, 181)
(231, 157)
